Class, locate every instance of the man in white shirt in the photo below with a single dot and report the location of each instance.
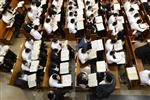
(29, 44)
(26, 54)
(56, 44)
(54, 81)
(113, 57)
(72, 26)
(145, 77)
(34, 32)
(47, 26)
(112, 18)
(83, 55)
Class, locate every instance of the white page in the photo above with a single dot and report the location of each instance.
(132, 73)
(64, 55)
(118, 46)
(117, 6)
(66, 80)
(97, 45)
(64, 68)
(34, 66)
(92, 80)
(135, 6)
(57, 17)
(100, 26)
(121, 19)
(35, 54)
(99, 19)
(80, 25)
(92, 54)
(101, 66)
(122, 55)
(32, 80)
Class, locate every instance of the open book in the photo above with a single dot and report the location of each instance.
(64, 55)
(64, 68)
(132, 73)
(66, 80)
(101, 66)
(97, 45)
(92, 80)
(34, 66)
(32, 80)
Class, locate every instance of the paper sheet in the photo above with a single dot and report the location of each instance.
(97, 45)
(92, 80)
(99, 19)
(117, 6)
(64, 68)
(101, 66)
(80, 25)
(32, 80)
(92, 54)
(132, 73)
(66, 80)
(100, 27)
(64, 55)
(34, 66)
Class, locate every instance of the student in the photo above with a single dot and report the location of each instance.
(26, 66)
(26, 54)
(72, 26)
(85, 42)
(111, 42)
(55, 56)
(54, 81)
(83, 55)
(113, 57)
(47, 26)
(56, 44)
(82, 79)
(34, 32)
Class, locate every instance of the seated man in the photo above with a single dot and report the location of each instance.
(56, 44)
(83, 55)
(84, 43)
(35, 33)
(26, 54)
(82, 79)
(54, 81)
(114, 57)
(48, 26)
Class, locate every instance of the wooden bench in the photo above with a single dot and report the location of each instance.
(17, 67)
(46, 74)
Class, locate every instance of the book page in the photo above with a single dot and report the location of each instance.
(34, 66)
(117, 6)
(100, 26)
(97, 45)
(32, 80)
(80, 25)
(99, 19)
(92, 54)
(101, 66)
(66, 80)
(92, 80)
(132, 73)
(122, 56)
(64, 68)
(64, 55)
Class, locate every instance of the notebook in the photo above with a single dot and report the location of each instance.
(101, 66)
(132, 73)
(92, 80)
(64, 68)
(66, 80)
(64, 55)
(34, 66)
(32, 80)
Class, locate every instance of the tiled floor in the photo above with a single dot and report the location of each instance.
(14, 93)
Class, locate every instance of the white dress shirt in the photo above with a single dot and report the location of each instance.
(25, 67)
(56, 45)
(144, 76)
(111, 60)
(111, 19)
(26, 56)
(54, 83)
(83, 57)
(29, 44)
(137, 27)
(35, 34)
(48, 27)
(72, 28)
(127, 5)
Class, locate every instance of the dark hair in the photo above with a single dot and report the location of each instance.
(27, 50)
(36, 27)
(50, 95)
(70, 13)
(75, 13)
(83, 50)
(139, 21)
(112, 52)
(54, 76)
(114, 23)
(29, 9)
(89, 7)
(136, 15)
(72, 20)
(113, 39)
(87, 2)
(70, 7)
(70, 2)
(47, 20)
(55, 40)
(131, 9)
(115, 14)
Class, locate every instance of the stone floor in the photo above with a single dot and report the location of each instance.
(14, 93)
